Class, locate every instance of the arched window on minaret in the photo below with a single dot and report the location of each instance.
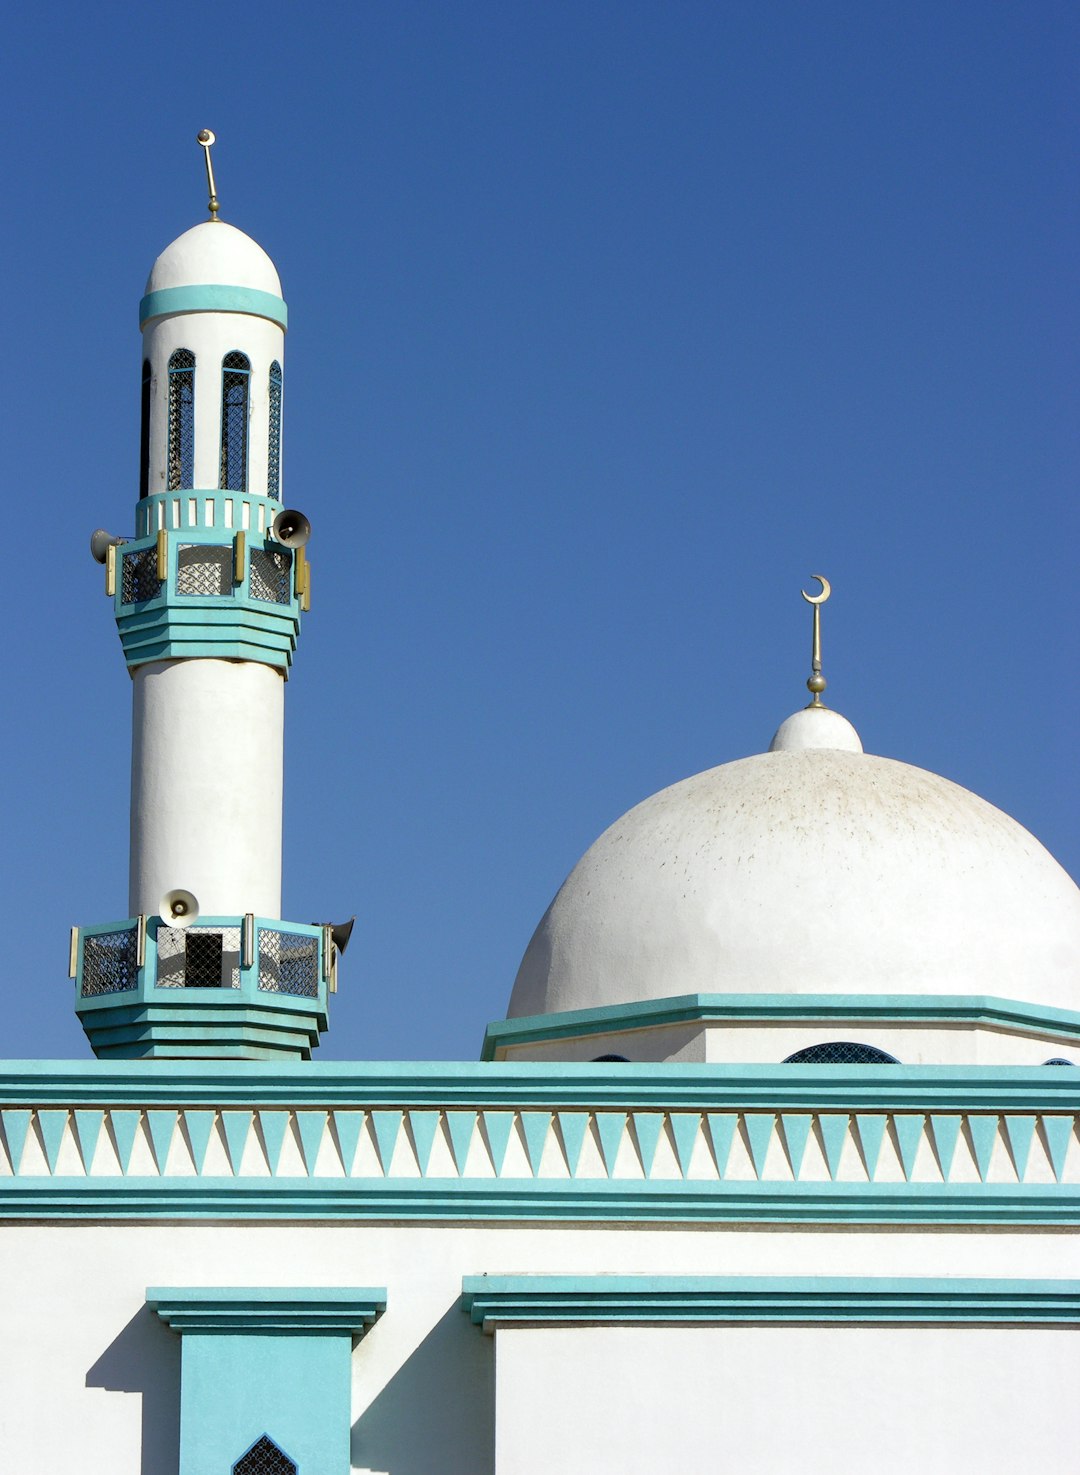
(144, 432)
(273, 459)
(181, 420)
(235, 374)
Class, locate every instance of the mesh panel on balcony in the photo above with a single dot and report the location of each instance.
(271, 570)
(288, 963)
(204, 568)
(264, 1458)
(139, 580)
(109, 962)
(198, 957)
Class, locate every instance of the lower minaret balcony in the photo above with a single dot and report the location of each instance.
(241, 988)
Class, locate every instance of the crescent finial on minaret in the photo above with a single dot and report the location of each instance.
(206, 140)
(816, 684)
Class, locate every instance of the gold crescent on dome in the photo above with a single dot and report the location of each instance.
(826, 590)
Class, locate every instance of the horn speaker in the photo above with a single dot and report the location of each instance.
(179, 908)
(291, 528)
(101, 542)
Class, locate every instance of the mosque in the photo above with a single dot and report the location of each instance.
(771, 1167)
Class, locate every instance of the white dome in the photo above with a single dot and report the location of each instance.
(812, 870)
(213, 254)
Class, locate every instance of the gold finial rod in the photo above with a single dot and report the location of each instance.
(207, 140)
(816, 684)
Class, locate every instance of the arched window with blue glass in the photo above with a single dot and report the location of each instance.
(235, 380)
(273, 456)
(181, 447)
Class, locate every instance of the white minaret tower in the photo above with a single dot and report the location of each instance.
(208, 597)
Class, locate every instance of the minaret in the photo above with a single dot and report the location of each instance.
(208, 597)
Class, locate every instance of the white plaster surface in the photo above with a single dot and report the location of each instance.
(815, 871)
(91, 1377)
(771, 1400)
(215, 253)
(206, 785)
(815, 727)
(769, 1043)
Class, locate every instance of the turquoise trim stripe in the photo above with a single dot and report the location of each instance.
(515, 1085)
(213, 297)
(302, 1309)
(536, 1200)
(985, 1010)
(494, 1301)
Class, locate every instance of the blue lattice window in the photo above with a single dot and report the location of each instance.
(235, 379)
(181, 448)
(144, 431)
(273, 453)
(264, 1458)
(841, 1052)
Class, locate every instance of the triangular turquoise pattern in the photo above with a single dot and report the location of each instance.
(759, 1130)
(983, 1131)
(423, 1125)
(199, 1125)
(833, 1126)
(572, 1128)
(796, 1127)
(497, 1128)
(347, 1127)
(534, 1128)
(51, 1123)
(647, 1128)
(235, 1125)
(871, 1136)
(161, 1125)
(946, 1131)
(610, 1128)
(16, 1122)
(684, 1132)
(274, 1125)
(722, 1128)
(1020, 1130)
(124, 1126)
(909, 1129)
(88, 1130)
(310, 1127)
(460, 1125)
(1057, 1131)
(386, 1125)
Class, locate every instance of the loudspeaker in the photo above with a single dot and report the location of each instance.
(291, 528)
(341, 932)
(101, 542)
(179, 908)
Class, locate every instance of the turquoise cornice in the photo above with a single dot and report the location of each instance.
(537, 1200)
(984, 1010)
(213, 297)
(494, 1301)
(509, 1085)
(305, 1310)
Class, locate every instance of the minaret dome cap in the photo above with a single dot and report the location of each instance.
(214, 254)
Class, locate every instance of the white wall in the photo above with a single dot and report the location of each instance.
(91, 1376)
(773, 1400)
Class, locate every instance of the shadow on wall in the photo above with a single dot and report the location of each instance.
(145, 1358)
(438, 1410)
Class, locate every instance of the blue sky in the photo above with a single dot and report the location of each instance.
(610, 323)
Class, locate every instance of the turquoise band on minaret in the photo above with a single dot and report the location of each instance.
(213, 297)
